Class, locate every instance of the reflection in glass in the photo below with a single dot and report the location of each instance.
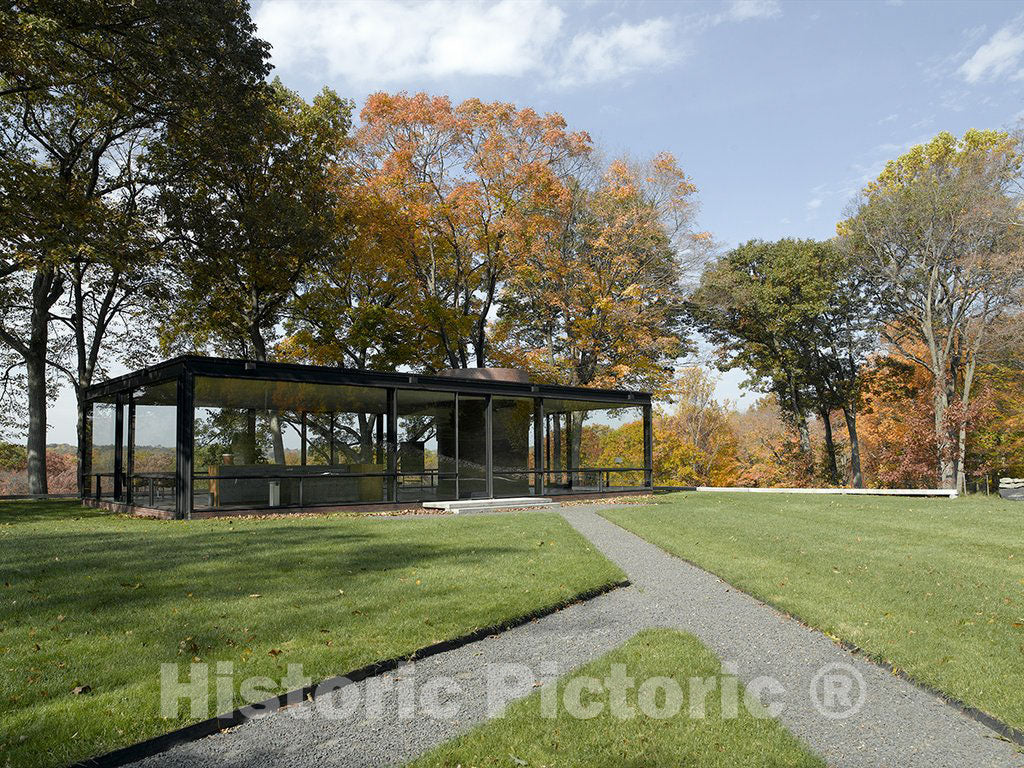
(591, 447)
(154, 454)
(281, 443)
(426, 447)
(102, 450)
(512, 451)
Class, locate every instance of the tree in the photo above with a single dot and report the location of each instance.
(794, 316)
(598, 302)
(938, 233)
(469, 187)
(85, 87)
(353, 308)
(250, 210)
(693, 441)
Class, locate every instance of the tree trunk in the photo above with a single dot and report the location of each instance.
(576, 444)
(84, 448)
(805, 435)
(830, 449)
(35, 365)
(856, 478)
(46, 289)
(260, 353)
(943, 444)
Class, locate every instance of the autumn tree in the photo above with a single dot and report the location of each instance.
(469, 186)
(353, 307)
(598, 301)
(85, 88)
(938, 232)
(250, 210)
(694, 442)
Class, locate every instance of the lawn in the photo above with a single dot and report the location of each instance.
(933, 586)
(99, 600)
(524, 737)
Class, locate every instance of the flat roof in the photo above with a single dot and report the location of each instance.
(317, 374)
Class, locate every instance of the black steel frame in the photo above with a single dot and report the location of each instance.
(184, 369)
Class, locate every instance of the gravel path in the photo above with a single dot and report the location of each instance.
(898, 724)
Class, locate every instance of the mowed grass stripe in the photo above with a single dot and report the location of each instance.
(523, 736)
(934, 587)
(90, 599)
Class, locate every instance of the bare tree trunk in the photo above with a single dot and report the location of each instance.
(35, 365)
(47, 287)
(830, 449)
(276, 438)
(944, 448)
(84, 462)
(856, 478)
(805, 435)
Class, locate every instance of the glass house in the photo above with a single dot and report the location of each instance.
(200, 436)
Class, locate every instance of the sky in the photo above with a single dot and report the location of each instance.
(778, 111)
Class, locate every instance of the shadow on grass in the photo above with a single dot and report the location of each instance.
(122, 570)
(45, 510)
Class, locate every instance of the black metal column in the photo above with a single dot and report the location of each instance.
(302, 430)
(130, 461)
(119, 404)
(455, 428)
(391, 449)
(538, 447)
(489, 445)
(648, 447)
(183, 467)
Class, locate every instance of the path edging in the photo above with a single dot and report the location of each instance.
(1003, 730)
(218, 723)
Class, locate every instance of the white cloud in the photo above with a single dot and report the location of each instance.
(814, 204)
(618, 51)
(391, 40)
(888, 119)
(743, 10)
(1001, 55)
(387, 42)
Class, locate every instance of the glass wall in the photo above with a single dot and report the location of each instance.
(101, 472)
(590, 447)
(426, 445)
(512, 451)
(153, 454)
(281, 443)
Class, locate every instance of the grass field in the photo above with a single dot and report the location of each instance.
(97, 600)
(524, 737)
(933, 586)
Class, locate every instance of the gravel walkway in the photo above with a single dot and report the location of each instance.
(898, 724)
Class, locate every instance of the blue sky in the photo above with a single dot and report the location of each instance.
(779, 111)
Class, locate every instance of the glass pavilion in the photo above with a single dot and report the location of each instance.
(199, 436)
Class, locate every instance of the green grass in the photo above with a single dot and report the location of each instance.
(933, 586)
(94, 599)
(524, 737)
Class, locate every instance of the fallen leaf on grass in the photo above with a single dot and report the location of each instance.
(78, 690)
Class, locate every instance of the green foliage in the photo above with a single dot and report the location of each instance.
(13, 457)
(251, 206)
(795, 316)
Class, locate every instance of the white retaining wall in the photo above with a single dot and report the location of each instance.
(842, 491)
